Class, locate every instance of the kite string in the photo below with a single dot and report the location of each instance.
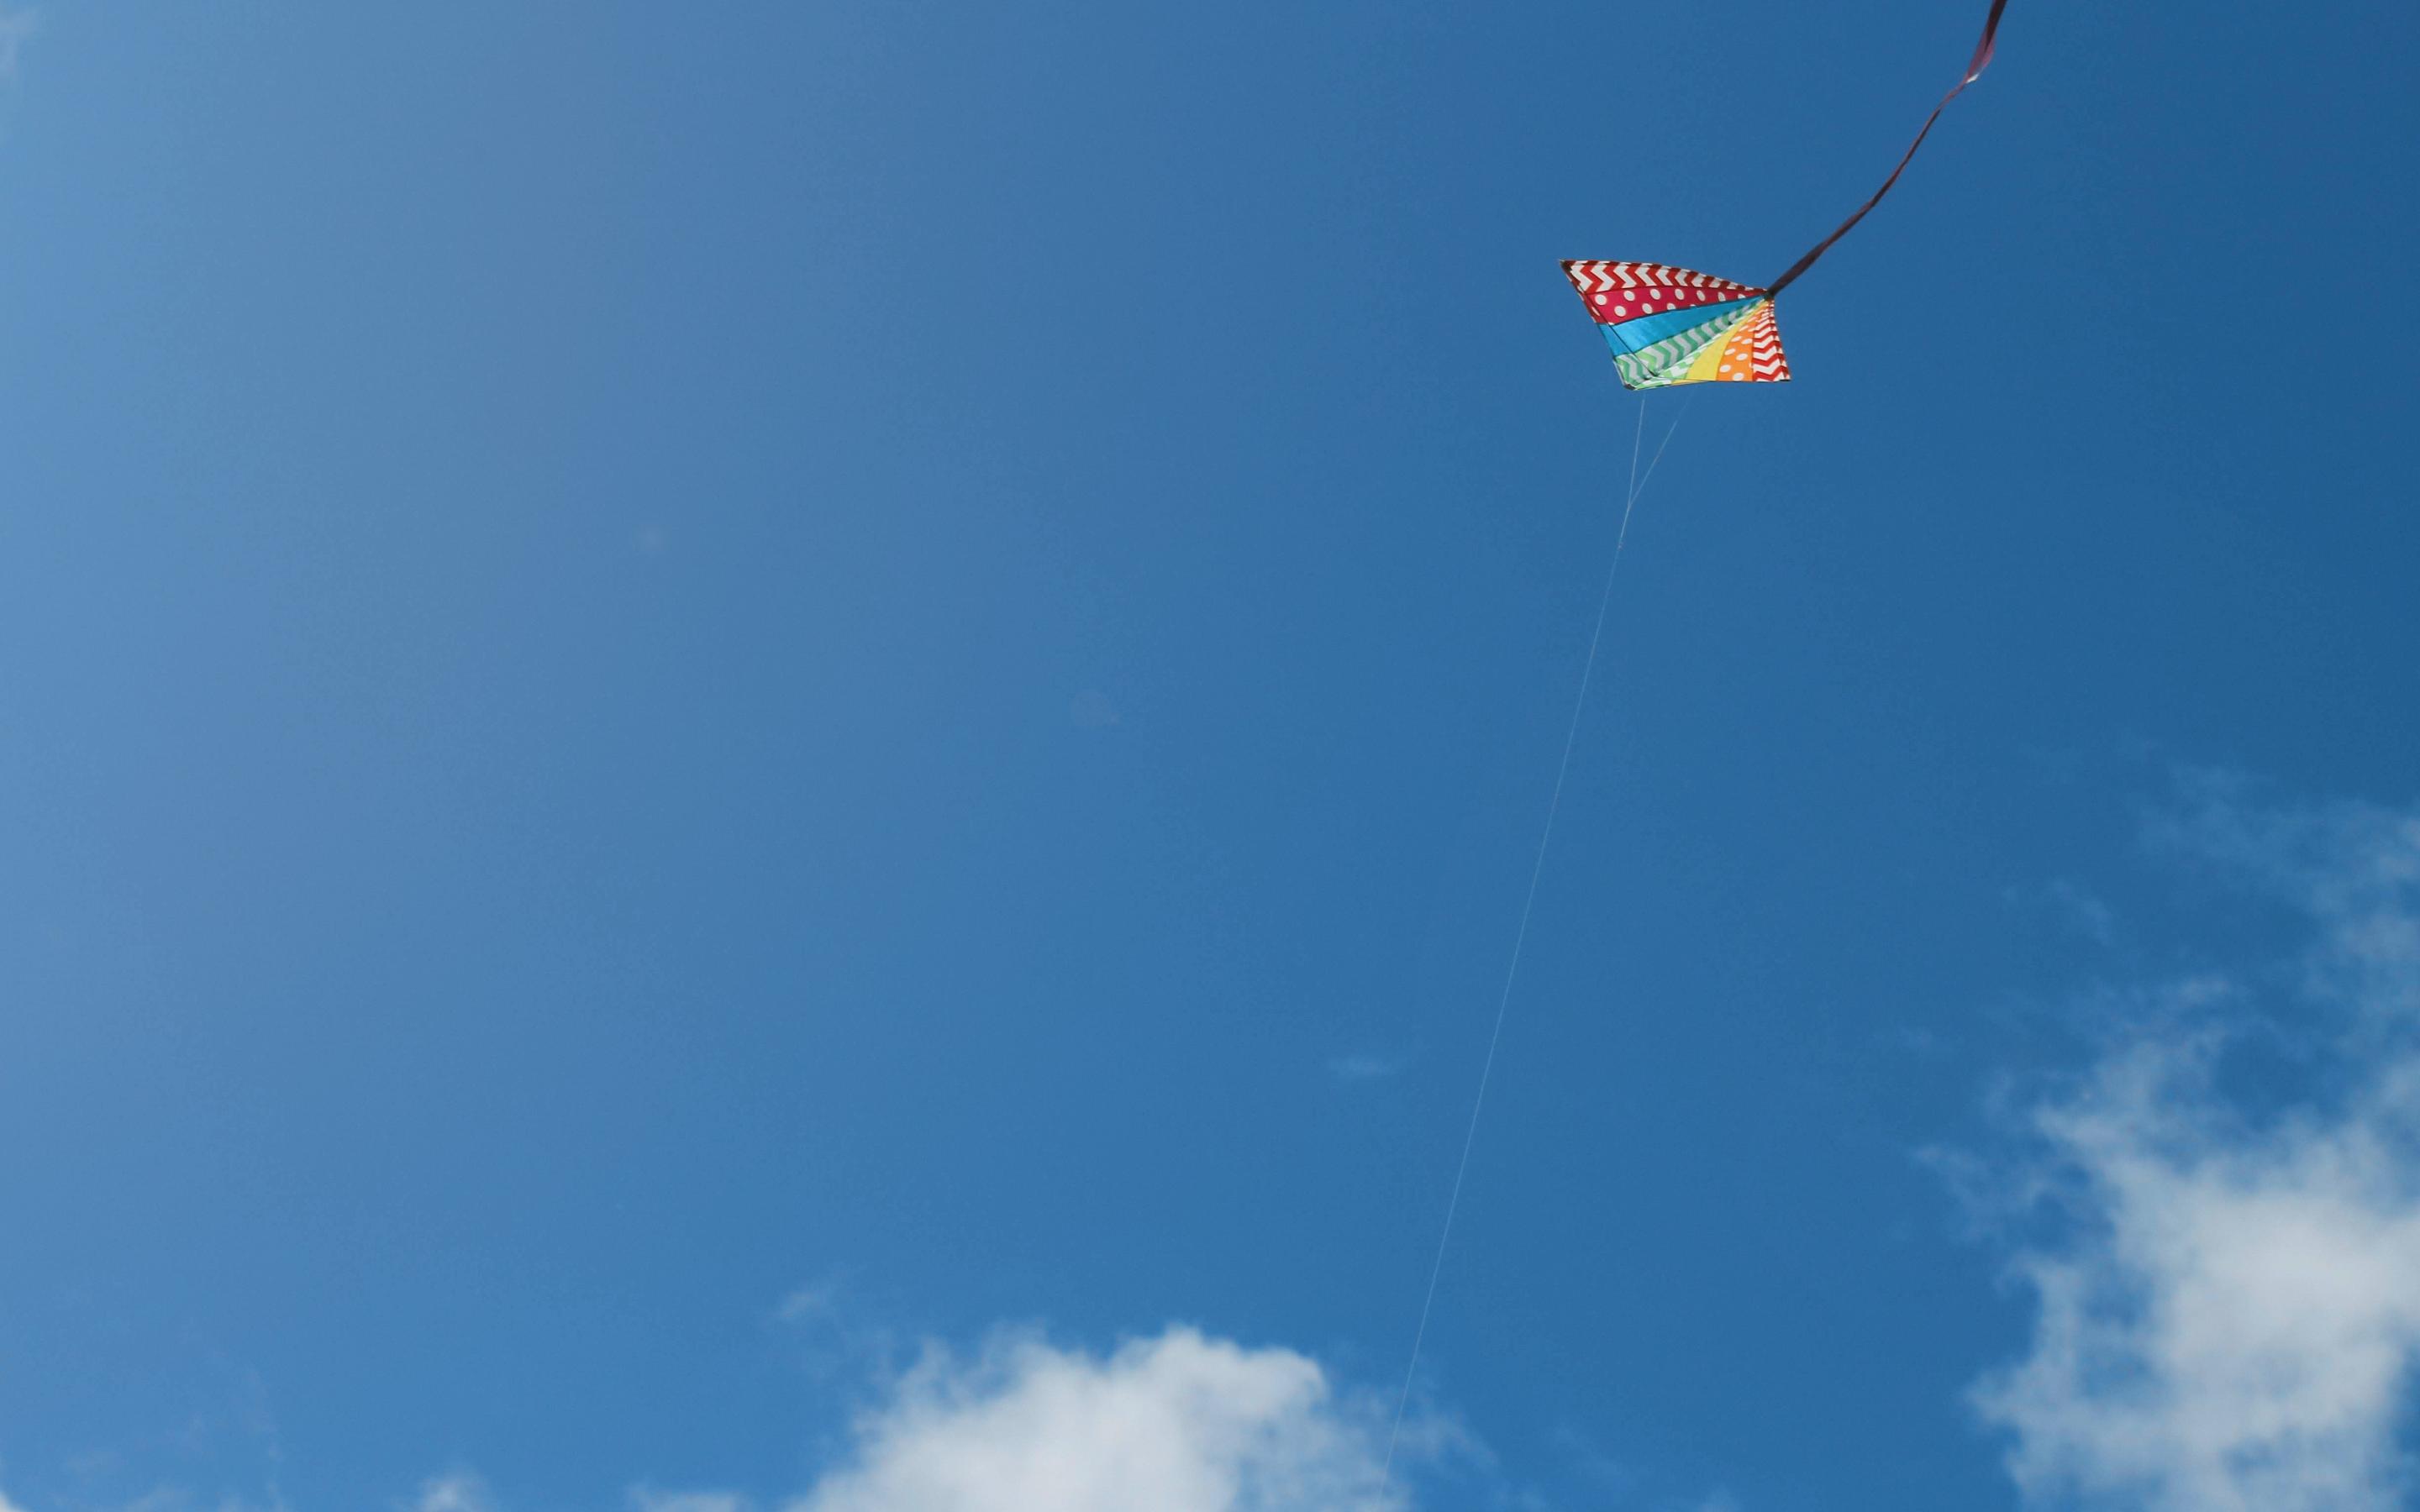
(1521, 936)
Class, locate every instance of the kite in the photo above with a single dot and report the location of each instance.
(1666, 326)
(1669, 326)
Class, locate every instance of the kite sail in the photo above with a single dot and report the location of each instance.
(1669, 326)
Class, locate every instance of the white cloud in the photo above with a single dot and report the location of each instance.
(2237, 1331)
(17, 28)
(1178, 1423)
(459, 1491)
(647, 1499)
(2230, 1321)
(1181, 1423)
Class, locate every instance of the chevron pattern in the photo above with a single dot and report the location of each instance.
(1604, 278)
(1698, 329)
(1668, 362)
(1765, 334)
(1750, 354)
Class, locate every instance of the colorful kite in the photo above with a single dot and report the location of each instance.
(1668, 325)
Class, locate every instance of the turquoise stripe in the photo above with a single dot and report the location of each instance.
(1642, 332)
(1667, 361)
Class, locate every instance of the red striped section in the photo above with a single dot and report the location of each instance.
(1765, 348)
(1615, 292)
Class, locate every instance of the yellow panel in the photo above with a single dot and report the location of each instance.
(1708, 365)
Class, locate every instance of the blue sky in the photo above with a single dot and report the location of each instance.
(749, 749)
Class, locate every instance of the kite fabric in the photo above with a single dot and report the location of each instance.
(1669, 326)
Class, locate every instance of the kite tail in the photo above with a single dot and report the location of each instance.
(1975, 66)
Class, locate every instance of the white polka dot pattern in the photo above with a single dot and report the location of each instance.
(1734, 342)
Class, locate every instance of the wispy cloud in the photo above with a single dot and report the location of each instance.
(1092, 709)
(455, 1492)
(2228, 1311)
(647, 1499)
(1364, 1065)
(187, 1499)
(814, 1302)
(2084, 913)
(832, 1336)
(17, 28)
(2072, 907)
